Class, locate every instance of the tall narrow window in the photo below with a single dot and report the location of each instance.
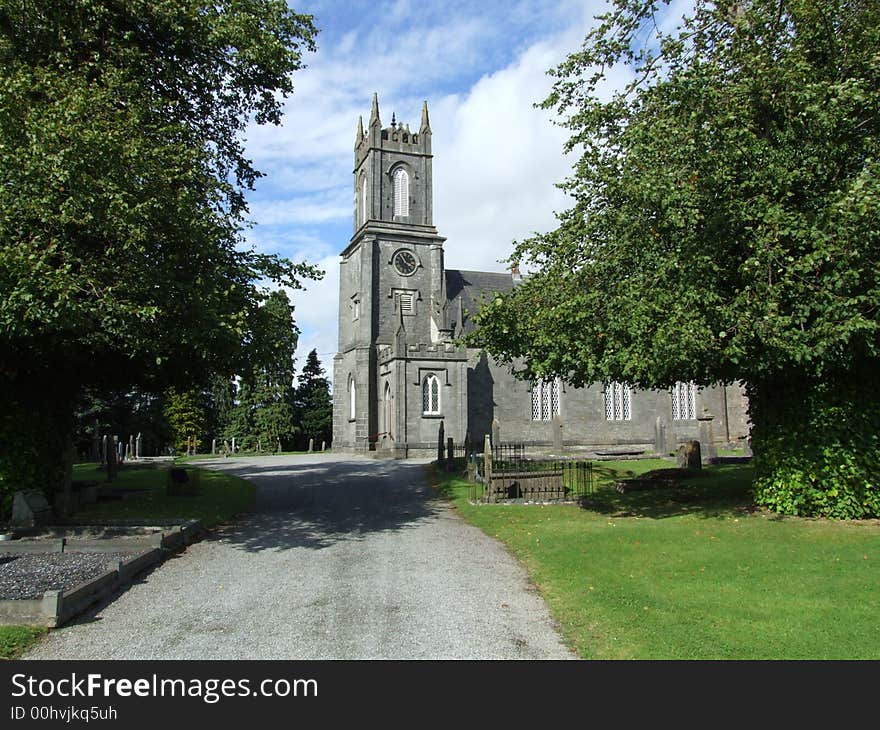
(431, 394)
(684, 401)
(401, 192)
(618, 402)
(545, 400)
(363, 205)
(352, 398)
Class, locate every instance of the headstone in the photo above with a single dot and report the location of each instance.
(233, 444)
(104, 449)
(213, 447)
(30, 509)
(496, 432)
(139, 447)
(557, 433)
(259, 446)
(707, 438)
(440, 437)
(311, 445)
(131, 451)
(127, 453)
(659, 436)
(450, 454)
(120, 450)
(747, 448)
(278, 445)
(688, 455)
(323, 446)
(225, 447)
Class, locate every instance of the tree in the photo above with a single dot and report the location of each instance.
(122, 181)
(264, 411)
(313, 403)
(724, 227)
(185, 413)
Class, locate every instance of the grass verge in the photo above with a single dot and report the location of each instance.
(222, 496)
(692, 572)
(14, 640)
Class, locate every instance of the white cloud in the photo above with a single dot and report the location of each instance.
(497, 158)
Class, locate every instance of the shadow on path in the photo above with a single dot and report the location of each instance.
(315, 505)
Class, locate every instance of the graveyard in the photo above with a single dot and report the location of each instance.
(691, 569)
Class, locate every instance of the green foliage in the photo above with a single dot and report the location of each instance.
(185, 414)
(15, 640)
(726, 214)
(122, 180)
(834, 468)
(264, 412)
(313, 403)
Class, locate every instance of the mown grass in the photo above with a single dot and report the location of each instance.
(222, 496)
(693, 572)
(14, 640)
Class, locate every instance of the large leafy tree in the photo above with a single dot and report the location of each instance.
(725, 226)
(313, 403)
(122, 181)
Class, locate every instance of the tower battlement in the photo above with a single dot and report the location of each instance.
(395, 138)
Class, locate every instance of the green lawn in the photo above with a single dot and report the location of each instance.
(15, 639)
(222, 496)
(693, 572)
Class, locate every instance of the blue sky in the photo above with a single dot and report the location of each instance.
(481, 67)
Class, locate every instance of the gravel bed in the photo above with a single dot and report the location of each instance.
(31, 575)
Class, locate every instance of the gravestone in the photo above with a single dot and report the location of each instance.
(311, 445)
(30, 509)
(139, 447)
(233, 445)
(440, 438)
(496, 432)
(323, 446)
(131, 451)
(688, 455)
(450, 454)
(278, 445)
(213, 447)
(225, 448)
(556, 425)
(120, 449)
(707, 438)
(747, 448)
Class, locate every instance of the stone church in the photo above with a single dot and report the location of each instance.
(399, 372)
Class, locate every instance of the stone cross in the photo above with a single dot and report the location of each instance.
(139, 446)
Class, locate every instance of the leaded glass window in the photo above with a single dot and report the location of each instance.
(431, 394)
(545, 400)
(684, 401)
(618, 402)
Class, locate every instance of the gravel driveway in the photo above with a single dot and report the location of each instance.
(343, 558)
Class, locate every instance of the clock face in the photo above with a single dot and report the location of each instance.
(404, 262)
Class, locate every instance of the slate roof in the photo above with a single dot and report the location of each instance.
(470, 285)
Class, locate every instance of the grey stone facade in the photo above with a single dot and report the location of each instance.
(398, 372)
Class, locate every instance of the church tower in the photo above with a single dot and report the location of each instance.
(392, 294)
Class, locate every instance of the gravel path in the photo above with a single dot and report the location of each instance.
(342, 559)
(31, 575)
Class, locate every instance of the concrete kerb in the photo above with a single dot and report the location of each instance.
(55, 608)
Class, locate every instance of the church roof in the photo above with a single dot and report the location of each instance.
(470, 286)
